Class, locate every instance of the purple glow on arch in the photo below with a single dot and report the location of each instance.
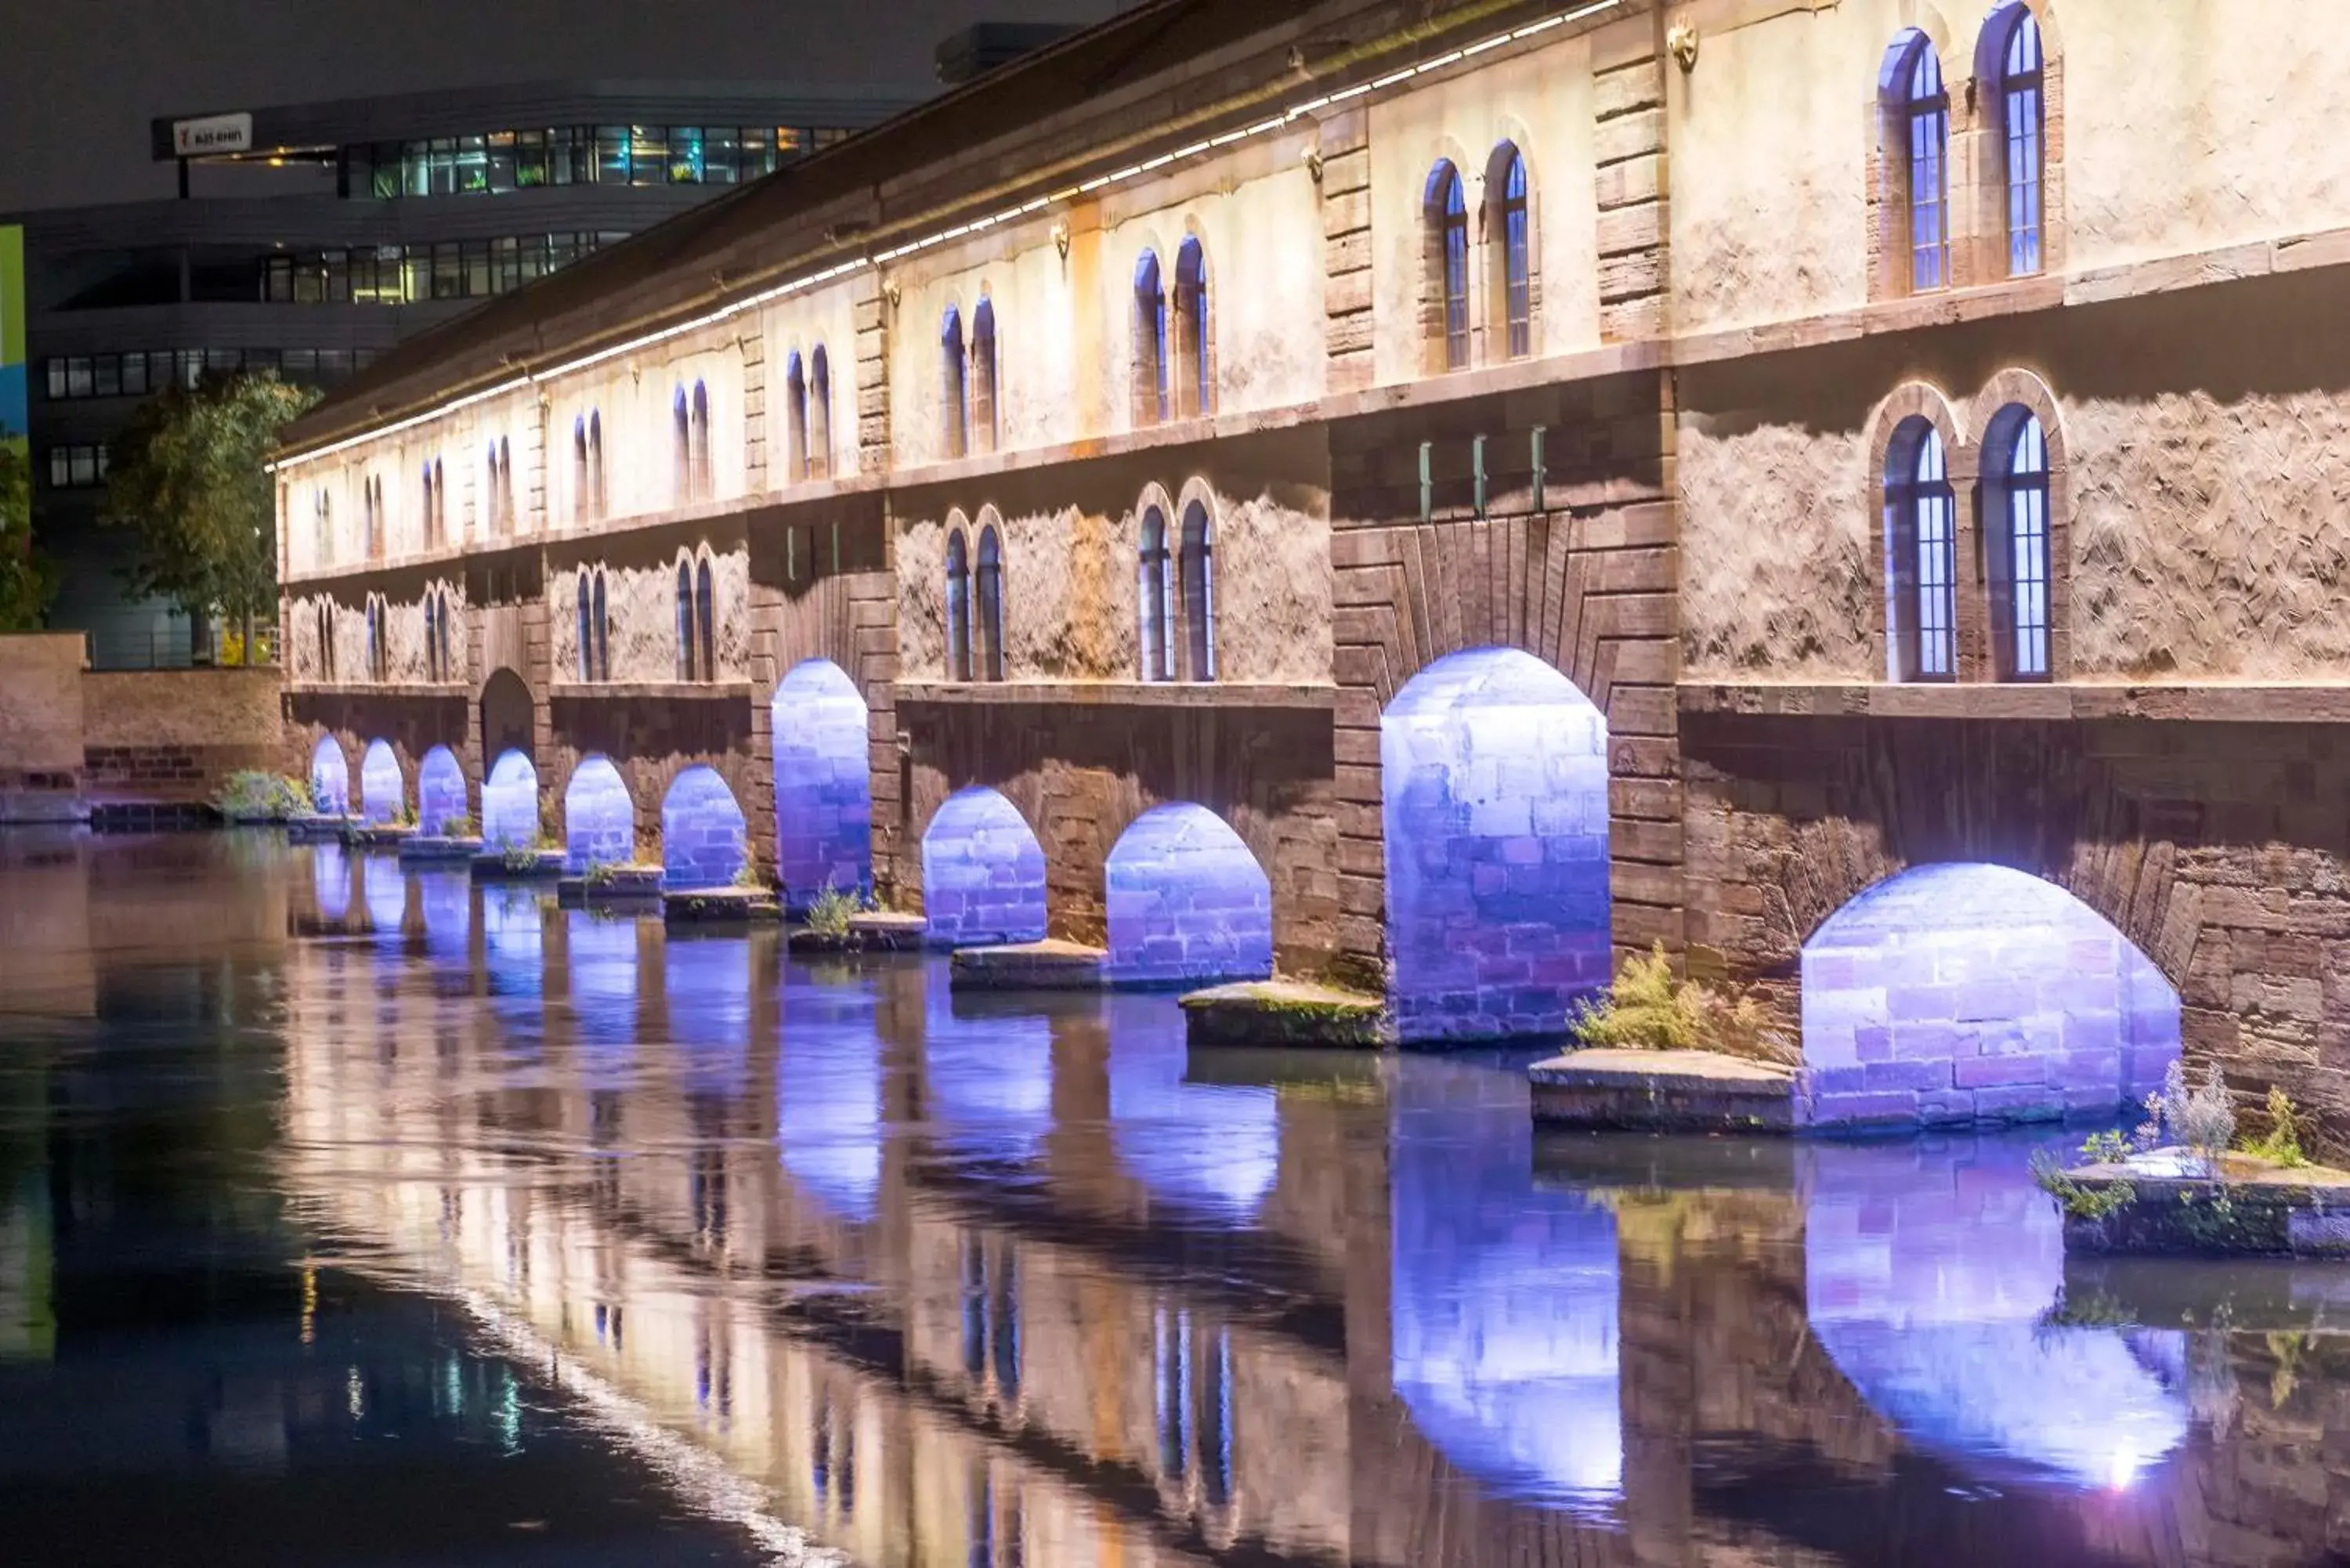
(824, 784)
(385, 888)
(330, 880)
(1965, 992)
(703, 843)
(510, 803)
(706, 983)
(382, 791)
(446, 902)
(1928, 1266)
(1187, 901)
(440, 791)
(828, 1098)
(330, 777)
(1213, 1150)
(599, 817)
(603, 962)
(983, 873)
(987, 1075)
(1494, 773)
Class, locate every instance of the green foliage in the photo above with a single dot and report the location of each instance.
(459, 825)
(2079, 1201)
(1648, 1009)
(252, 793)
(2202, 1118)
(2109, 1148)
(519, 858)
(2281, 1145)
(27, 578)
(188, 492)
(829, 912)
(601, 874)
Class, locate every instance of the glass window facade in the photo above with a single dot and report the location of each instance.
(134, 373)
(77, 467)
(407, 275)
(502, 160)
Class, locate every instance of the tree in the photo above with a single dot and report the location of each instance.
(27, 578)
(188, 487)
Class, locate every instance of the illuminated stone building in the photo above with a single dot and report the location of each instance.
(1541, 481)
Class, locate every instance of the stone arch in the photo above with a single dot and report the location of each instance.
(1495, 783)
(1965, 991)
(1185, 901)
(330, 777)
(1997, 415)
(383, 789)
(440, 791)
(510, 803)
(599, 817)
(508, 714)
(824, 782)
(704, 841)
(1886, 435)
(983, 872)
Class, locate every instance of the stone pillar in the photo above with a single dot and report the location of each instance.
(1348, 314)
(1629, 150)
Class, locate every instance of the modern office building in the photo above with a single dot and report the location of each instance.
(309, 237)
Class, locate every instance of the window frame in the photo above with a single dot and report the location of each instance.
(1155, 589)
(1152, 385)
(1196, 575)
(954, 406)
(982, 379)
(1922, 533)
(958, 606)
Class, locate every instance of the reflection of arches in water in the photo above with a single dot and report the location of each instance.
(703, 841)
(603, 958)
(446, 902)
(1186, 900)
(828, 1097)
(1984, 993)
(824, 782)
(983, 873)
(440, 790)
(383, 793)
(385, 888)
(510, 803)
(512, 943)
(1504, 1299)
(1494, 773)
(706, 981)
(989, 1077)
(599, 818)
(1926, 1269)
(1211, 1148)
(330, 777)
(330, 879)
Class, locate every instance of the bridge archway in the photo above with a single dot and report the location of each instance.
(508, 714)
(1185, 901)
(1493, 769)
(703, 843)
(599, 817)
(983, 872)
(330, 777)
(1965, 991)
(824, 782)
(510, 803)
(440, 791)
(383, 793)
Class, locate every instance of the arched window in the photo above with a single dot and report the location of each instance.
(378, 655)
(1922, 117)
(1195, 382)
(2016, 521)
(1447, 216)
(596, 463)
(1920, 532)
(698, 445)
(327, 639)
(680, 446)
(954, 407)
(432, 512)
(705, 616)
(684, 622)
(1150, 342)
(2023, 122)
(322, 515)
(819, 429)
(602, 616)
(587, 629)
(796, 417)
(1199, 596)
(440, 504)
(1156, 593)
(991, 605)
(1507, 232)
(448, 665)
(579, 491)
(958, 608)
(983, 374)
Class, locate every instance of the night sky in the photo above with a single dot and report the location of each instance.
(80, 80)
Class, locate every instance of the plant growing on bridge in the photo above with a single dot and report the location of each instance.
(458, 825)
(2201, 1119)
(188, 490)
(830, 911)
(1649, 1008)
(2079, 1200)
(2281, 1145)
(254, 795)
(600, 875)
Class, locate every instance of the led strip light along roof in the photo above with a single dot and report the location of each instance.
(960, 231)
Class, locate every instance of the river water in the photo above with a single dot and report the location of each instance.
(355, 1217)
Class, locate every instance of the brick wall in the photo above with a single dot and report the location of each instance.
(173, 736)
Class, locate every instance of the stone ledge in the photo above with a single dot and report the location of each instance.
(435, 850)
(664, 691)
(1121, 693)
(544, 865)
(1280, 1013)
(721, 907)
(2310, 704)
(320, 829)
(616, 884)
(876, 932)
(1048, 965)
(2251, 1208)
(381, 835)
(1664, 1091)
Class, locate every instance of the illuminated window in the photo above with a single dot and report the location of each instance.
(699, 477)
(954, 406)
(990, 594)
(2023, 116)
(680, 446)
(1199, 596)
(1195, 381)
(1922, 121)
(958, 586)
(819, 429)
(1513, 262)
(795, 418)
(1157, 596)
(685, 639)
(1920, 529)
(706, 618)
(2015, 497)
(1151, 368)
(983, 374)
(1447, 216)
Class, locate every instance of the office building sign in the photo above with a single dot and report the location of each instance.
(214, 133)
(13, 420)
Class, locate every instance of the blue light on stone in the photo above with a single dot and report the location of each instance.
(706, 983)
(385, 888)
(446, 900)
(1505, 1341)
(382, 791)
(1927, 1268)
(1187, 901)
(330, 777)
(440, 791)
(983, 873)
(704, 841)
(1494, 774)
(510, 803)
(1210, 1151)
(603, 959)
(987, 1076)
(824, 784)
(512, 938)
(1963, 993)
(829, 1097)
(599, 817)
(330, 880)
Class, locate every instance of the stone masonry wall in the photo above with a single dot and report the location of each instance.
(175, 735)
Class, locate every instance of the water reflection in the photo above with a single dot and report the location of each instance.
(827, 1250)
